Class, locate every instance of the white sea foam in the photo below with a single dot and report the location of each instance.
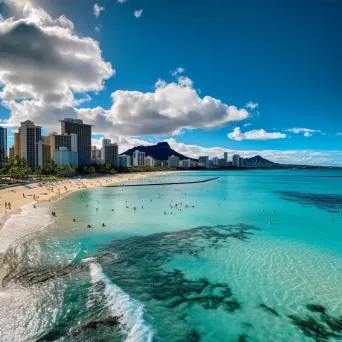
(121, 305)
(28, 221)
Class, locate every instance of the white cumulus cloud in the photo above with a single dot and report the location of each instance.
(166, 111)
(256, 134)
(138, 13)
(97, 10)
(44, 63)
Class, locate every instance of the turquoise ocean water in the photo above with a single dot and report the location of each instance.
(266, 262)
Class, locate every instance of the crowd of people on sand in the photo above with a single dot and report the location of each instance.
(50, 190)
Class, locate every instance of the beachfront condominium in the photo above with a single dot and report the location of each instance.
(31, 144)
(215, 161)
(11, 154)
(46, 149)
(105, 142)
(96, 155)
(3, 146)
(63, 156)
(149, 161)
(63, 148)
(138, 158)
(222, 162)
(185, 163)
(241, 162)
(17, 143)
(83, 132)
(124, 160)
(173, 161)
(236, 160)
(112, 155)
(204, 162)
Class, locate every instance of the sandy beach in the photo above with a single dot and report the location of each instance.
(22, 195)
(24, 202)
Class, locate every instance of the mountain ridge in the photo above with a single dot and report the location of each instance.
(161, 151)
(258, 161)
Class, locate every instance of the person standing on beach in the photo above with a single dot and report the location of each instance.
(9, 206)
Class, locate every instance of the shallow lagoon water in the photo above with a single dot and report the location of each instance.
(268, 265)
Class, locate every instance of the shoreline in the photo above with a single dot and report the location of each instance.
(53, 191)
(22, 207)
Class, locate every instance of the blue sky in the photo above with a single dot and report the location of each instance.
(282, 56)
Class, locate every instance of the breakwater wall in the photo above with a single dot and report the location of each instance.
(160, 184)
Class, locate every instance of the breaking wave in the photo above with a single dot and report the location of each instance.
(130, 312)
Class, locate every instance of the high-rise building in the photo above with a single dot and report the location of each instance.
(46, 153)
(236, 160)
(173, 161)
(63, 156)
(46, 149)
(105, 142)
(124, 161)
(222, 162)
(3, 146)
(96, 155)
(204, 161)
(225, 156)
(31, 144)
(215, 161)
(138, 158)
(149, 161)
(83, 132)
(241, 162)
(185, 163)
(112, 155)
(11, 153)
(68, 142)
(193, 163)
(46, 139)
(17, 143)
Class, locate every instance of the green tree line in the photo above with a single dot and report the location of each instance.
(18, 168)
